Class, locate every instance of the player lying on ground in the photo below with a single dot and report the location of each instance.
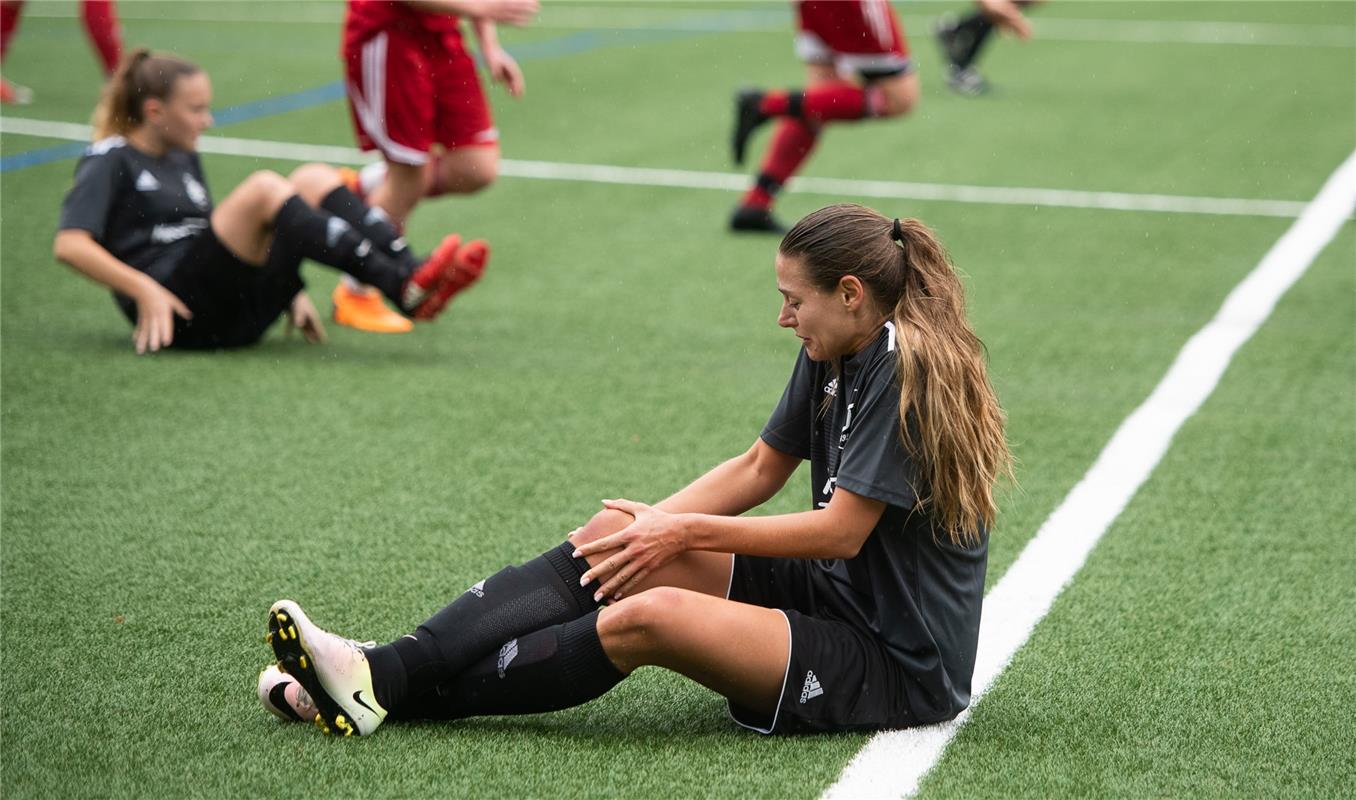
(862, 613)
(140, 221)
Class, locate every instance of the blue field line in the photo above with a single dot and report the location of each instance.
(559, 47)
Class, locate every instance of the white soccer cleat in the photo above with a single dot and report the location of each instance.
(284, 697)
(333, 671)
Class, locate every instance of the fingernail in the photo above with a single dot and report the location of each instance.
(577, 554)
(597, 596)
(617, 596)
(584, 579)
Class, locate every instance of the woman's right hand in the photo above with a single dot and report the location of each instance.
(156, 307)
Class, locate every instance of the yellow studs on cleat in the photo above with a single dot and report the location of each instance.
(268, 638)
(302, 661)
(281, 617)
(292, 631)
(343, 724)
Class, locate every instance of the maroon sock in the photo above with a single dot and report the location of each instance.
(825, 102)
(101, 23)
(792, 143)
(9, 23)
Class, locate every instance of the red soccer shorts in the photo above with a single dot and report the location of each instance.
(408, 90)
(853, 36)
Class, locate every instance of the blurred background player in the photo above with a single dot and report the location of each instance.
(858, 67)
(962, 39)
(140, 221)
(101, 23)
(414, 95)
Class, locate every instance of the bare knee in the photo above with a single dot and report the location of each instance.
(635, 630)
(265, 192)
(314, 181)
(899, 96)
(467, 171)
(604, 523)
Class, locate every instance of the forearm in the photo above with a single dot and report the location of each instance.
(744, 482)
(462, 8)
(487, 33)
(78, 249)
(804, 534)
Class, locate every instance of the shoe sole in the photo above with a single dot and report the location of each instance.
(286, 635)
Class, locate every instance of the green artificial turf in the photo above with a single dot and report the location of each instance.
(621, 342)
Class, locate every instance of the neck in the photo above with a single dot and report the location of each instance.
(866, 337)
(146, 141)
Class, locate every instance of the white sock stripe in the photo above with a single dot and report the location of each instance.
(893, 763)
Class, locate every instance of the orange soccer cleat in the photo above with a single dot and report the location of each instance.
(363, 309)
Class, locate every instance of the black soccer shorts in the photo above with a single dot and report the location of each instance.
(838, 677)
(233, 302)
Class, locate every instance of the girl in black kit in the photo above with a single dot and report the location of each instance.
(140, 221)
(861, 613)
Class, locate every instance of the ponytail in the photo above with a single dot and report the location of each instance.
(950, 421)
(140, 76)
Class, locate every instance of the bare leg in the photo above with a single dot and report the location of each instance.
(401, 191)
(243, 221)
(465, 170)
(737, 650)
(696, 570)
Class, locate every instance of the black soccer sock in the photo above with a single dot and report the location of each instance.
(371, 221)
(547, 670)
(321, 236)
(971, 34)
(514, 601)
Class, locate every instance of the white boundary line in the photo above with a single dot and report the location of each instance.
(735, 182)
(893, 764)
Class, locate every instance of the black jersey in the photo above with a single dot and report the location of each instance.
(144, 210)
(909, 585)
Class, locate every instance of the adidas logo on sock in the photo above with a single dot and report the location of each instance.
(506, 655)
(334, 228)
(811, 690)
(478, 590)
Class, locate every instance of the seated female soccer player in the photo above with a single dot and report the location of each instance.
(862, 613)
(140, 221)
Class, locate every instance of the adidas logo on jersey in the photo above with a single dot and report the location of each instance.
(146, 182)
(832, 389)
(506, 655)
(478, 590)
(811, 690)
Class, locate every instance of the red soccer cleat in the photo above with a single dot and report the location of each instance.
(468, 264)
(428, 277)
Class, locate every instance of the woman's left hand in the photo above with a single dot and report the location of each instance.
(505, 70)
(303, 317)
(654, 539)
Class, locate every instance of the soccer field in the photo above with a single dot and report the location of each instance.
(1135, 163)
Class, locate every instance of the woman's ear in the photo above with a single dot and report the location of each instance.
(851, 292)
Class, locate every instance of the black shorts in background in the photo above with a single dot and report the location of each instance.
(838, 678)
(233, 303)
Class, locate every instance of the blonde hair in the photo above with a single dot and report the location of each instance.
(956, 435)
(140, 76)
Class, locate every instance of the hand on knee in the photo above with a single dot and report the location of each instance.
(604, 523)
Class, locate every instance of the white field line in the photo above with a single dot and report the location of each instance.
(892, 764)
(735, 182)
(776, 19)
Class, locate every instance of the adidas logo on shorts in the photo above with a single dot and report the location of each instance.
(478, 590)
(812, 688)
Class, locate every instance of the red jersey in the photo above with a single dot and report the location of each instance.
(367, 18)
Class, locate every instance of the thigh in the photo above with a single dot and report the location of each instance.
(856, 37)
(735, 649)
(462, 115)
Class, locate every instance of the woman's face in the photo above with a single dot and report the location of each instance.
(830, 324)
(180, 118)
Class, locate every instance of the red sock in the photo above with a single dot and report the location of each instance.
(792, 143)
(9, 22)
(775, 103)
(101, 23)
(831, 101)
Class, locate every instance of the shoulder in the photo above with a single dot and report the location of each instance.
(112, 144)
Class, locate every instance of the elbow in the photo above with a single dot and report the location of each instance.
(64, 245)
(849, 545)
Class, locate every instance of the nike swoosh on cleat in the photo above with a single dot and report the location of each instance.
(357, 698)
